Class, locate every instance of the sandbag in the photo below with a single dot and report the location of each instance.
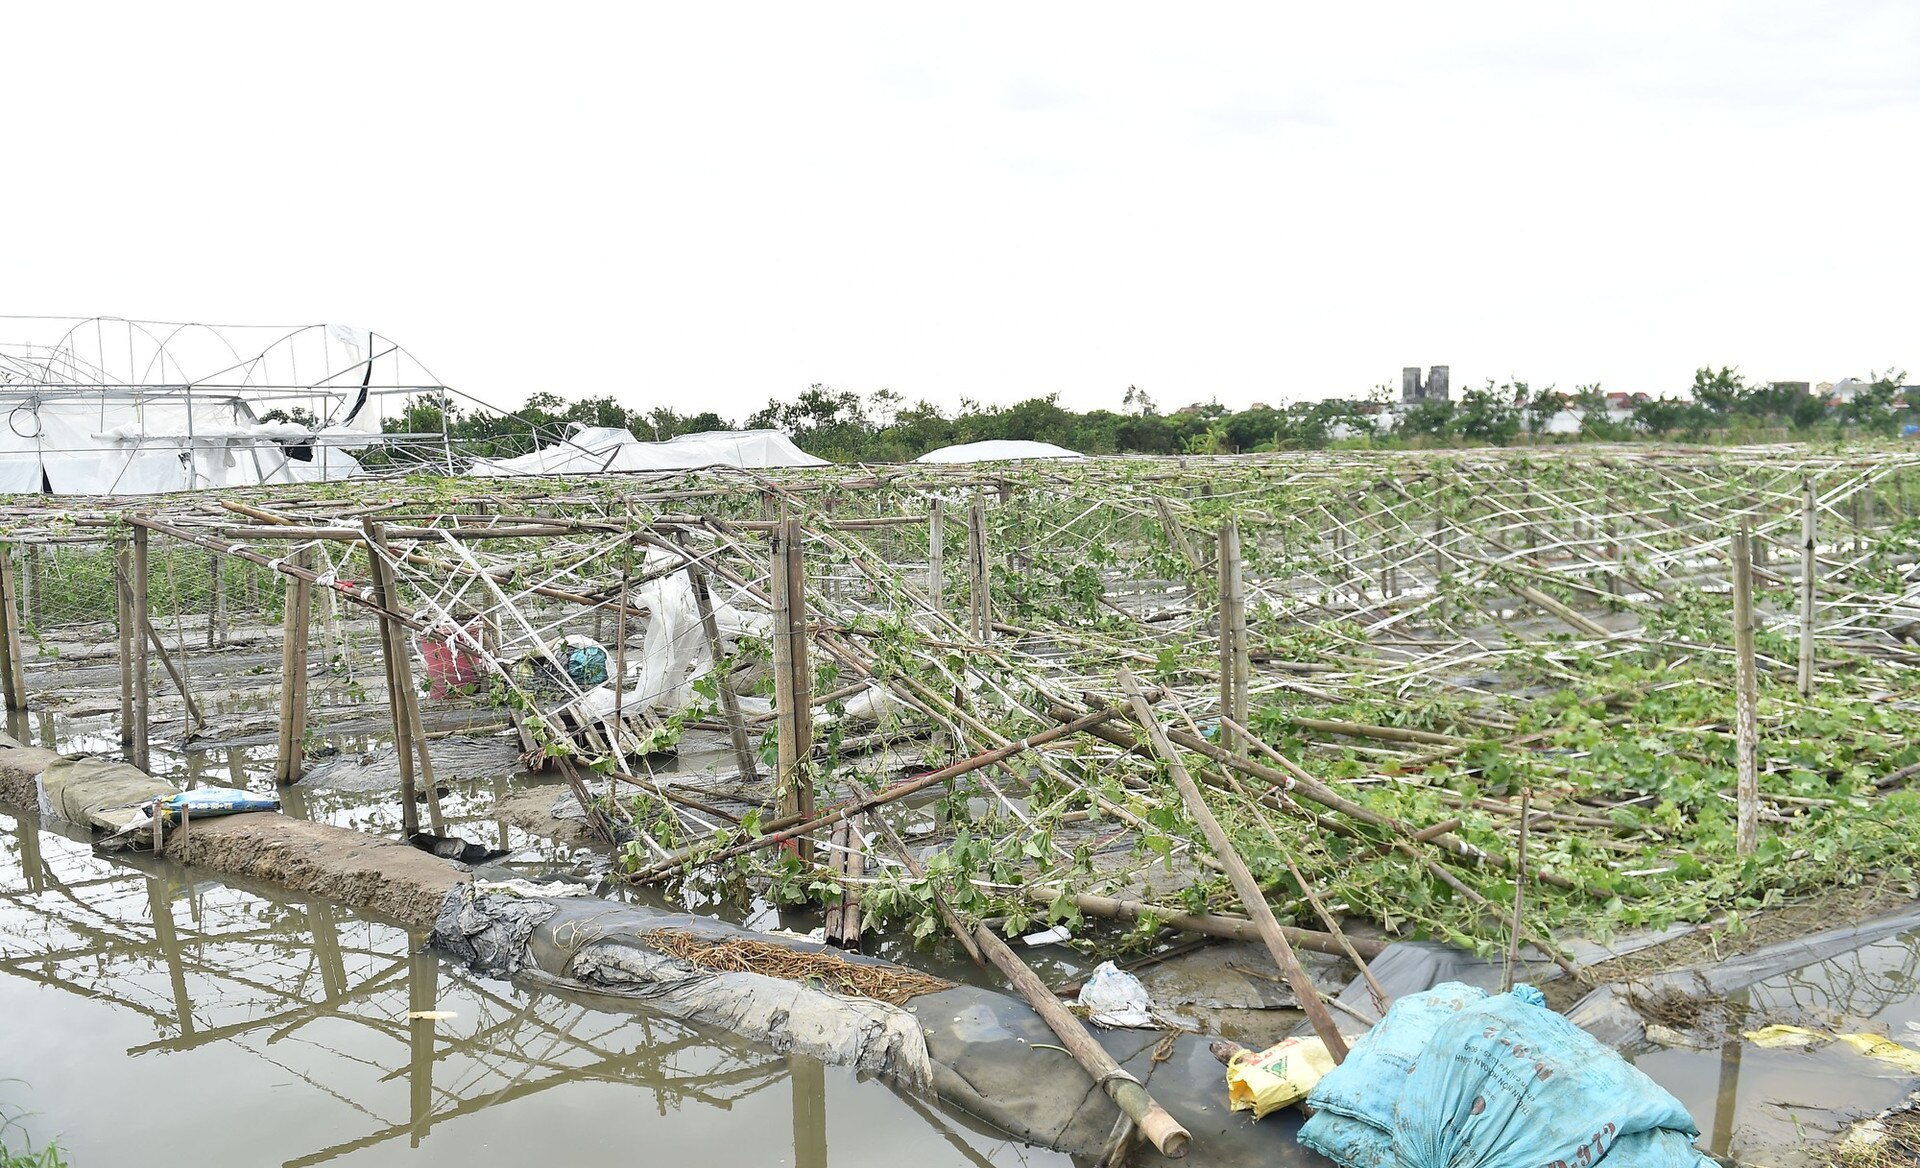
(1455, 1078)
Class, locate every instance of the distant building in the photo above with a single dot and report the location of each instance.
(1435, 388)
(1797, 388)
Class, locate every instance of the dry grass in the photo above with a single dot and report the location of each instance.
(885, 983)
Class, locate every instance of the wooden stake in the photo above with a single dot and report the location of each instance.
(981, 588)
(123, 620)
(1809, 514)
(792, 679)
(1746, 696)
(393, 651)
(13, 670)
(142, 694)
(729, 701)
(937, 556)
(1251, 895)
(216, 601)
(289, 758)
(848, 861)
(1236, 667)
(1177, 534)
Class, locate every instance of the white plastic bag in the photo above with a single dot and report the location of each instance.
(1116, 998)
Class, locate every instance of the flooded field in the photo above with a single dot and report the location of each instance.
(179, 1021)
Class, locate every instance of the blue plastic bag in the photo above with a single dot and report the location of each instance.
(587, 666)
(1454, 1078)
(209, 801)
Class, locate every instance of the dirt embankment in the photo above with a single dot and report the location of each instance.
(389, 879)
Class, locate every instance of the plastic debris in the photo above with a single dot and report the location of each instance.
(1874, 1046)
(1457, 1078)
(1048, 936)
(1113, 997)
(1265, 1081)
(432, 1015)
(204, 802)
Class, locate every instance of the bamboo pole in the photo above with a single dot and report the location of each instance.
(1519, 891)
(937, 557)
(289, 759)
(13, 674)
(787, 828)
(1236, 668)
(142, 694)
(393, 654)
(729, 701)
(1746, 697)
(216, 601)
(1160, 1128)
(1809, 516)
(123, 623)
(980, 590)
(1243, 882)
(792, 679)
(1205, 924)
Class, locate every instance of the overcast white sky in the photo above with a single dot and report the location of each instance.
(704, 206)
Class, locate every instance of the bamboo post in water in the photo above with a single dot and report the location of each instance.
(137, 659)
(792, 680)
(1746, 696)
(1809, 564)
(289, 758)
(1249, 889)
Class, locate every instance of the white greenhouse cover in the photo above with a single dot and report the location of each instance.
(599, 450)
(997, 450)
(105, 444)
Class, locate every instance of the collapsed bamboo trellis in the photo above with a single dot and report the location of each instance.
(1347, 575)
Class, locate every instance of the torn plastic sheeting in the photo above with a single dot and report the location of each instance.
(489, 933)
(987, 1052)
(783, 1016)
(100, 793)
(1457, 1078)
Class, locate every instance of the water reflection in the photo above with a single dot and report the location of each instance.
(304, 1034)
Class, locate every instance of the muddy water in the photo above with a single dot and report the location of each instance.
(1773, 1106)
(149, 1016)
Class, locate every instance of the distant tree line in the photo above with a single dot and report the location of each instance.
(845, 426)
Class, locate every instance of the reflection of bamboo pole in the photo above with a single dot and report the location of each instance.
(1249, 889)
(1746, 696)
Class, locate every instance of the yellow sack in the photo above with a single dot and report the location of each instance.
(1874, 1046)
(1268, 1080)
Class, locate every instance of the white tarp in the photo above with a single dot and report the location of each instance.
(126, 444)
(997, 450)
(600, 449)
